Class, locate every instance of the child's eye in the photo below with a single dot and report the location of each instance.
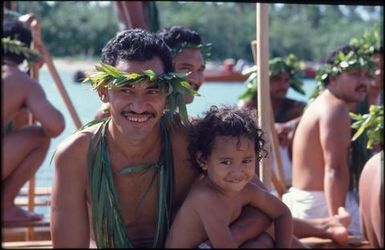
(248, 161)
(226, 162)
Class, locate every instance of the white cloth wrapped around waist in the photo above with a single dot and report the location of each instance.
(312, 205)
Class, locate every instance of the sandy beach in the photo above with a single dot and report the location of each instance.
(69, 64)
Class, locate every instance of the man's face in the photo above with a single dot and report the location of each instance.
(279, 84)
(351, 86)
(137, 109)
(190, 62)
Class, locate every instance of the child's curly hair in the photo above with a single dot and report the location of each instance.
(223, 121)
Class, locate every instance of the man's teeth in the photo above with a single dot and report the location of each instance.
(137, 119)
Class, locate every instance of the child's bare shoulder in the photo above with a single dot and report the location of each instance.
(203, 194)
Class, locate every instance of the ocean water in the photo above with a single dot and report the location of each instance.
(86, 103)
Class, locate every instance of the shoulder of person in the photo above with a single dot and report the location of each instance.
(11, 72)
(75, 147)
(208, 195)
(179, 131)
(252, 188)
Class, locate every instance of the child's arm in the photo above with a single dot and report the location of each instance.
(276, 210)
(215, 218)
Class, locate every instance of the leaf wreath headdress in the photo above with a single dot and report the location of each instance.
(19, 48)
(369, 42)
(276, 65)
(372, 123)
(366, 46)
(205, 48)
(177, 83)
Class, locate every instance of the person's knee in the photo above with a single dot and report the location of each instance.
(264, 240)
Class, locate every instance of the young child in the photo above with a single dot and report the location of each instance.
(226, 145)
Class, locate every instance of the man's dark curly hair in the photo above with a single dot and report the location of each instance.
(223, 121)
(176, 35)
(16, 30)
(137, 45)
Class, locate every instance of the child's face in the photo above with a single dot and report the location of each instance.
(231, 164)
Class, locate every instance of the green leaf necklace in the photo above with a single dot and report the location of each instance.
(108, 223)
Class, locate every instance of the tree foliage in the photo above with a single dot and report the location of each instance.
(75, 28)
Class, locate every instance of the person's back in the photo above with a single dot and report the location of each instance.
(371, 190)
(25, 145)
(21, 90)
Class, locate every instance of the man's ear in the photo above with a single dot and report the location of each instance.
(201, 161)
(332, 80)
(103, 94)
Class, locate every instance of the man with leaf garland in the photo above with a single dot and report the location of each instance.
(321, 144)
(189, 54)
(24, 145)
(284, 73)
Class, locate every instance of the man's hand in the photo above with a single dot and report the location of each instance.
(283, 132)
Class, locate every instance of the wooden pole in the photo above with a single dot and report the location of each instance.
(263, 87)
(277, 182)
(60, 85)
(126, 14)
(281, 183)
(34, 72)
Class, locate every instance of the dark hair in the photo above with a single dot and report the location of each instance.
(137, 45)
(16, 30)
(223, 121)
(344, 49)
(176, 35)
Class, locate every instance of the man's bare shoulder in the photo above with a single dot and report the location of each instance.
(74, 149)
(179, 139)
(326, 105)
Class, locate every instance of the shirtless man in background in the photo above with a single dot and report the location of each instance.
(321, 146)
(24, 148)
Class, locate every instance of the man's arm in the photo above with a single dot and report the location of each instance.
(43, 111)
(335, 141)
(275, 209)
(69, 217)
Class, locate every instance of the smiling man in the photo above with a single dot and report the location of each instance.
(188, 54)
(321, 144)
(117, 182)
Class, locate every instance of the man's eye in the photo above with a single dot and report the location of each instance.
(153, 91)
(125, 90)
(185, 70)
